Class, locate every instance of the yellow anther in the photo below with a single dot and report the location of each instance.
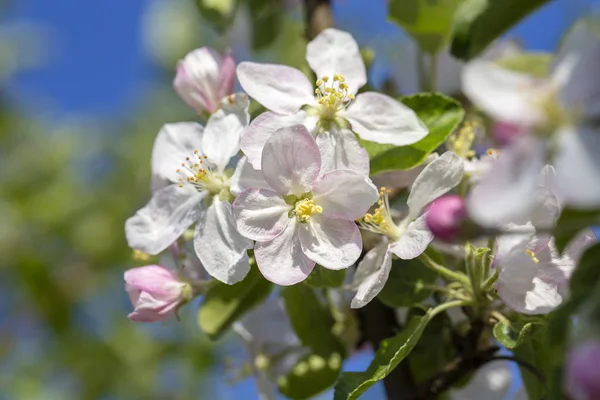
(531, 254)
(319, 82)
(140, 255)
(336, 77)
(325, 78)
(306, 208)
(495, 153)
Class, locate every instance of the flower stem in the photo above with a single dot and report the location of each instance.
(443, 307)
(489, 282)
(443, 271)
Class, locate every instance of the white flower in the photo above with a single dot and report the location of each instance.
(330, 109)
(558, 112)
(493, 381)
(306, 217)
(409, 238)
(192, 184)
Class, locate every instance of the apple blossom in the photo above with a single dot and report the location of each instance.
(409, 238)
(330, 110)
(582, 371)
(446, 216)
(307, 216)
(204, 77)
(155, 292)
(189, 163)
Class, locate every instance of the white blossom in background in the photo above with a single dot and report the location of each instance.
(559, 114)
(329, 109)
(204, 78)
(306, 216)
(190, 163)
(493, 381)
(409, 238)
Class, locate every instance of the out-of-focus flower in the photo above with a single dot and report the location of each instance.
(204, 77)
(493, 381)
(155, 292)
(331, 109)
(306, 217)
(582, 371)
(409, 238)
(446, 217)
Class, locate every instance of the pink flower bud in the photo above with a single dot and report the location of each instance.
(155, 292)
(582, 377)
(204, 77)
(446, 216)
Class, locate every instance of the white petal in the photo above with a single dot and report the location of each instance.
(344, 194)
(166, 216)
(334, 51)
(198, 79)
(437, 178)
(221, 139)
(380, 118)
(547, 205)
(291, 160)
(578, 167)
(414, 241)
(246, 177)
(218, 244)
(515, 236)
(281, 260)
(237, 104)
(341, 150)
(173, 144)
(371, 274)
(279, 88)
(503, 94)
(260, 214)
(332, 243)
(507, 191)
(265, 125)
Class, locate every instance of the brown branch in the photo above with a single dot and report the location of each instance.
(318, 17)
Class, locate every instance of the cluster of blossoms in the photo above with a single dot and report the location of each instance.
(291, 188)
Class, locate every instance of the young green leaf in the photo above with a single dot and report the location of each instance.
(536, 351)
(509, 337)
(321, 277)
(571, 222)
(405, 284)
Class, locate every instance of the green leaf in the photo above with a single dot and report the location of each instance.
(267, 19)
(477, 23)
(441, 115)
(404, 287)
(532, 63)
(571, 222)
(224, 304)
(391, 352)
(321, 277)
(429, 22)
(509, 337)
(535, 350)
(313, 374)
(219, 13)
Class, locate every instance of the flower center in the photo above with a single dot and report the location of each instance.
(531, 254)
(380, 221)
(332, 95)
(304, 209)
(195, 171)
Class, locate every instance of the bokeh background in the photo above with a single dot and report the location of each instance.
(84, 88)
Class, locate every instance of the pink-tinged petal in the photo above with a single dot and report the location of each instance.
(172, 145)
(266, 124)
(382, 119)
(221, 139)
(506, 192)
(334, 51)
(281, 260)
(260, 214)
(219, 245)
(371, 274)
(237, 104)
(437, 178)
(332, 243)
(340, 150)
(153, 278)
(149, 309)
(291, 160)
(227, 75)
(164, 219)
(198, 79)
(344, 194)
(414, 241)
(279, 88)
(578, 167)
(246, 177)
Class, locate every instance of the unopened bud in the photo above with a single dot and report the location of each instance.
(583, 364)
(446, 217)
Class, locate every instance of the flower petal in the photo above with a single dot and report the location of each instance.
(260, 214)
(414, 241)
(340, 150)
(506, 192)
(227, 75)
(173, 144)
(154, 279)
(334, 51)
(437, 178)
(166, 217)
(279, 88)
(578, 167)
(221, 139)
(344, 194)
(371, 274)
(246, 177)
(281, 260)
(291, 160)
(380, 118)
(265, 125)
(332, 243)
(218, 244)
(237, 104)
